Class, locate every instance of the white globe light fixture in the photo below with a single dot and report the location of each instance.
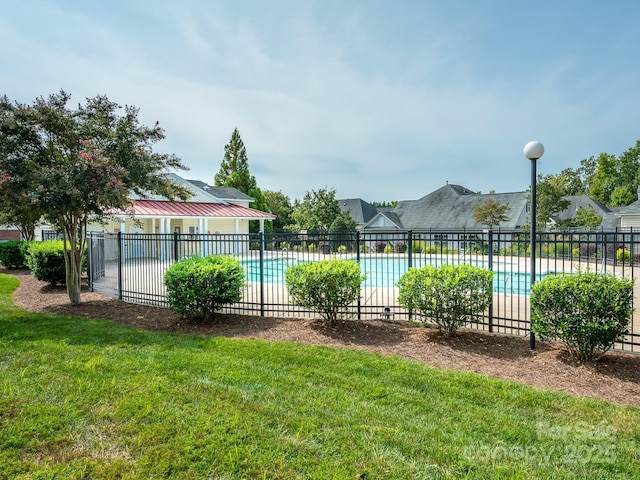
(533, 151)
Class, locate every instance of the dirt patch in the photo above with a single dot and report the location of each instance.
(616, 378)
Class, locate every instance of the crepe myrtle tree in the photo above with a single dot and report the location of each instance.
(79, 165)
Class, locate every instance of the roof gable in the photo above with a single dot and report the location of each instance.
(199, 195)
(452, 206)
(225, 193)
(359, 210)
(581, 201)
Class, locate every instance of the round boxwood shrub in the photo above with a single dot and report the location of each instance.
(13, 253)
(46, 262)
(328, 287)
(447, 296)
(587, 312)
(198, 287)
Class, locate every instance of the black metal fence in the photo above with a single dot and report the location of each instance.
(131, 266)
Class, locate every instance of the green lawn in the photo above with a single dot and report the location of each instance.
(82, 398)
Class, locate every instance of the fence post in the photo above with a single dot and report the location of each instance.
(358, 260)
(120, 260)
(490, 241)
(90, 260)
(175, 246)
(262, 248)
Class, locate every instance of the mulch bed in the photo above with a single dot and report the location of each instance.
(615, 378)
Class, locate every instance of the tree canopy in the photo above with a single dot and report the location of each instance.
(317, 210)
(549, 198)
(490, 213)
(280, 205)
(234, 172)
(73, 166)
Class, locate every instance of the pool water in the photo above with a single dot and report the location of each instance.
(386, 273)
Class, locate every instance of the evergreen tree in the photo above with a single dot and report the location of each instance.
(234, 173)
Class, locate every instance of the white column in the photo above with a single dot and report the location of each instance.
(235, 243)
(202, 235)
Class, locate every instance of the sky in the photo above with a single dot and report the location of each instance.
(375, 99)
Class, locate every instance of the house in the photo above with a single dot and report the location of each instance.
(449, 207)
(576, 202)
(214, 210)
(361, 211)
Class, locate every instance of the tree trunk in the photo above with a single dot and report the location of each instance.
(73, 251)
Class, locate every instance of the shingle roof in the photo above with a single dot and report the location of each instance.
(633, 209)
(581, 201)
(451, 206)
(359, 210)
(224, 193)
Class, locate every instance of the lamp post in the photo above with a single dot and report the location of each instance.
(533, 151)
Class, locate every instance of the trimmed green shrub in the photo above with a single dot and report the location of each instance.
(46, 262)
(197, 287)
(448, 296)
(623, 255)
(13, 253)
(587, 312)
(328, 286)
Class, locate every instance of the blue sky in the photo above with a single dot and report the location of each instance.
(380, 100)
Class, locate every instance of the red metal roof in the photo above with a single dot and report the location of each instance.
(157, 208)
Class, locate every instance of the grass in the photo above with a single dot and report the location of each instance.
(82, 398)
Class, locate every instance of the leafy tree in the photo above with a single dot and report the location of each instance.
(20, 213)
(280, 205)
(549, 198)
(622, 195)
(317, 211)
(77, 166)
(628, 168)
(587, 173)
(573, 182)
(17, 207)
(234, 172)
(604, 180)
(343, 223)
(587, 217)
(391, 204)
(490, 213)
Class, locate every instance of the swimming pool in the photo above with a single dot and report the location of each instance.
(385, 272)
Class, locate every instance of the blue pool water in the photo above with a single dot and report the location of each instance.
(386, 273)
